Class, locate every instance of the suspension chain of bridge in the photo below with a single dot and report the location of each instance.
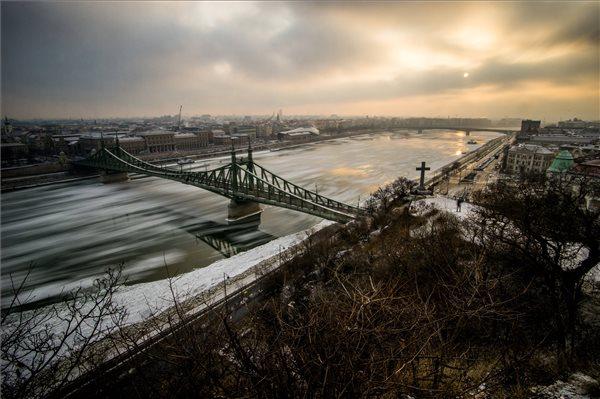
(238, 180)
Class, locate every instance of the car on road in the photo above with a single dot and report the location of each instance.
(184, 161)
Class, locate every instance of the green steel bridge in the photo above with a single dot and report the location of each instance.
(243, 181)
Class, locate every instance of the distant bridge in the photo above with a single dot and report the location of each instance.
(465, 129)
(244, 182)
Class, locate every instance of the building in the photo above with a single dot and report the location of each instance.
(562, 163)
(528, 158)
(94, 141)
(245, 130)
(12, 152)
(222, 140)
(544, 139)
(528, 128)
(590, 168)
(326, 125)
(206, 137)
(299, 134)
(240, 139)
(159, 141)
(189, 141)
(219, 137)
(133, 144)
(264, 130)
(573, 124)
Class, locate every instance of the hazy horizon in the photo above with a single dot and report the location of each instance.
(134, 59)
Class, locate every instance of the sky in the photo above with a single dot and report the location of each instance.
(119, 59)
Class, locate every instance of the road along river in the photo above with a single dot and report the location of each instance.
(68, 234)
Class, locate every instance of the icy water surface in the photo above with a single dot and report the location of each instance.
(68, 234)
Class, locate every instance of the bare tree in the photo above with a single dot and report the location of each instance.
(544, 228)
(382, 201)
(44, 348)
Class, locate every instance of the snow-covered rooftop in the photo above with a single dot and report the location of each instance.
(154, 133)
(538, 149)
(311, 130)
(184, 135)
(130, 139)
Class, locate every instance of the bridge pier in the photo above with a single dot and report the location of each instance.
(243, 211)
(107, 176)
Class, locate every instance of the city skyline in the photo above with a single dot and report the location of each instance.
(96, 60)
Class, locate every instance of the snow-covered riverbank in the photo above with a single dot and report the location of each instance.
(143, 299)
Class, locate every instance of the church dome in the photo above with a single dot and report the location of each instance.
(562, 162)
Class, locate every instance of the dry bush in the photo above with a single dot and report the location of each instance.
(420, 320)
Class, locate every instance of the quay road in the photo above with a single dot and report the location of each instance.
(474, 171)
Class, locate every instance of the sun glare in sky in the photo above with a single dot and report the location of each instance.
(382, 58)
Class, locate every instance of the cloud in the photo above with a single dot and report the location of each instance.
(132, 58)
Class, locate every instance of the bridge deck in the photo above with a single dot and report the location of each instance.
(245, 181)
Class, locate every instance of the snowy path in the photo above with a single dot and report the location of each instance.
(449, 205)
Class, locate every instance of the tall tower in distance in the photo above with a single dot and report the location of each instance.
(179, 119)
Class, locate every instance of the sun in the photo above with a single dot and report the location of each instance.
(466, 75)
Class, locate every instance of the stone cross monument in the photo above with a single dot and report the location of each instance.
(423, 168)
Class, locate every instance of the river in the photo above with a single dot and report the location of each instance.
(66, 235)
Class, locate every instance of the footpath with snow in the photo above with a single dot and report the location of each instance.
(449, 205)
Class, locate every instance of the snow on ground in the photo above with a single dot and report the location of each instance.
(578, 386)
(142, 299)
(594, 274)
(447, 204)
(146, 299)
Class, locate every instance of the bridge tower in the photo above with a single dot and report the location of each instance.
(241, 210)
(250, 165)
(234, 170)
(110, 176)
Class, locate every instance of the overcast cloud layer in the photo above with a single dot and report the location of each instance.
(108, 59)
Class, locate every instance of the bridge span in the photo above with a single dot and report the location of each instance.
(465, 129)
(244, 182)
